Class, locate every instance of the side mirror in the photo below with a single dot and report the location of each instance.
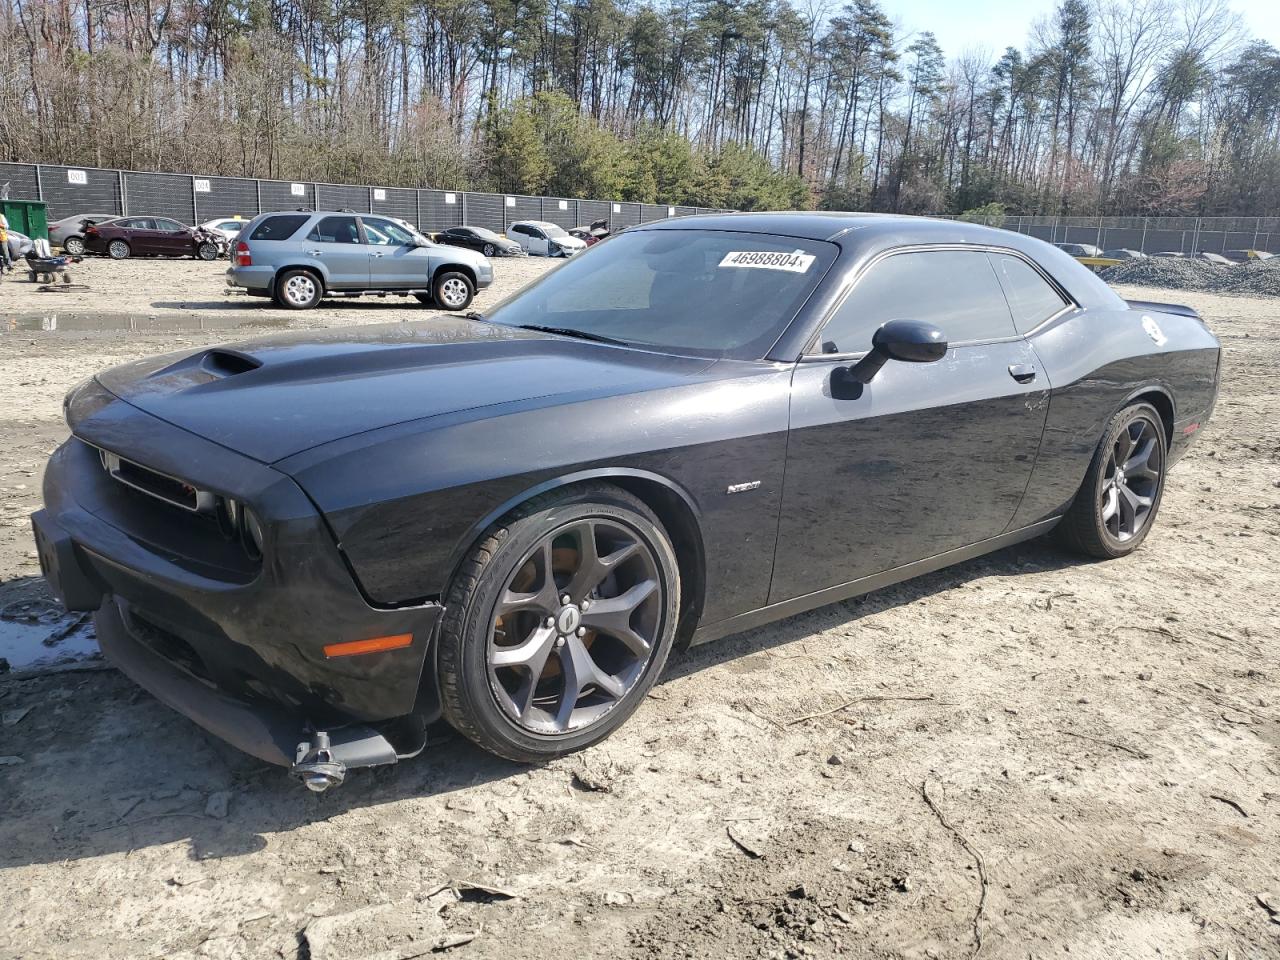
(909, 341)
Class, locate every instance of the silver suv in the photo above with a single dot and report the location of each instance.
(298, 258)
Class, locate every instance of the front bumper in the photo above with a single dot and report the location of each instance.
(236, 647)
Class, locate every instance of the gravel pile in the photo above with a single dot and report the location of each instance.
(1256, 278)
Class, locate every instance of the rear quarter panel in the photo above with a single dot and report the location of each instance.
(1098, 360)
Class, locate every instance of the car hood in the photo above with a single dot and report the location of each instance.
(569, 241)
(275, 397)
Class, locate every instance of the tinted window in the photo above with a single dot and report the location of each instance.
(955, 290)
(136, 223)
(1031, 299)
(169, 226)
(384, 233)
(335, 230)
(522, 230)
(279, 228)
(706, 293)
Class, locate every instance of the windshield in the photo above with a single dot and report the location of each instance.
(707, 293)
(482, 233)
(551, 230)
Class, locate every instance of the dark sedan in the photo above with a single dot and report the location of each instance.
(478, 238)
(150, 237)
(318, 543)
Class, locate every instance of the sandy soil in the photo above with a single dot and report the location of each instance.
(1058, 757)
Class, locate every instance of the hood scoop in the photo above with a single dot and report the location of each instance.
(207, 366)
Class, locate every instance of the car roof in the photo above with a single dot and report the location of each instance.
(869, 234)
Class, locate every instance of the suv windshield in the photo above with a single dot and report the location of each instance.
(708, 293)
(551, 230)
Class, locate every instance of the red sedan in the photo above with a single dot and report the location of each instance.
(149, 237)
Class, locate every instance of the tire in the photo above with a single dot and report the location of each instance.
(452, 290)
(207, 251)
(118, 250)
(489, 690)
(489, 250)
(298, 290)
(1114, 510)
(73, 246)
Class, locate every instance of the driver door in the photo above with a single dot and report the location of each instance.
(395, 259)
(931, 457)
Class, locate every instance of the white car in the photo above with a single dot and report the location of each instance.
(229, 227)
(539, 238)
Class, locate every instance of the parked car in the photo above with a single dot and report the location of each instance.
(1123, 253)
(597, 231)
(299, 258)
(1080, 249)
(68, 233)
(478, 238)
(1169, 254)
(539, 238)
(1215, 258)
(151, 237)
(1244, 256)
(315, 544)
(229, 227)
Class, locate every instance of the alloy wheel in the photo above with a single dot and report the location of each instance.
(118, 249)
(73, 246)
(575, 626)
(300, 289)
(1131, 480)
(489, 250)
(454, 292)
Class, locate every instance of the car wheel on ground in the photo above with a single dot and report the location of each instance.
(489, 250)
(118, 250)
(298, 289)
(452, 290)
(207, 250)
(73, 246)
(1118, 501)
(558, 623)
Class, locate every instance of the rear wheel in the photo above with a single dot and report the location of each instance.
(298, 290)
(452, 290)
(1117, 504)
(118, 250)
(559, 622)
(489, 250)
(73, 246)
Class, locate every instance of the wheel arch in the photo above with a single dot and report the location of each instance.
(674, 507)
(1159, 397)
(462, 268)
(312, 268)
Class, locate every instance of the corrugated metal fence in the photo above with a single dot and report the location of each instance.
(194, 199)
(1155, 234)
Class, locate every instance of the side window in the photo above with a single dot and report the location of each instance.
(1031, 299)
(279, 228)
(384, 233)
(955, 290)
(335, 230)
(520, 229)
(169, 226)
(137, 223)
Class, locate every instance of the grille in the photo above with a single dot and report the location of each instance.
(161, 486)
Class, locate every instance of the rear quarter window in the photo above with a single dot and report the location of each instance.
(1032, 299)
(279, 228)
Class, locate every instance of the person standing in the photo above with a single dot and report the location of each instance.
(5, 263)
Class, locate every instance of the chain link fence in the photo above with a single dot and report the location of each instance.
(193, 199)
(1153, 234)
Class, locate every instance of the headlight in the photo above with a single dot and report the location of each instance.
(252, 531)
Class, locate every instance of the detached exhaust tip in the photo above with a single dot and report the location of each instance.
(316, 766)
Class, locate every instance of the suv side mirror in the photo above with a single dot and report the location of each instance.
(908, 341)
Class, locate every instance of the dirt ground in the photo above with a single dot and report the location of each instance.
(1055, 757)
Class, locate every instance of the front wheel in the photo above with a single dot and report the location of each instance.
(452, 290)
(489, 250)
(559, 622)
(118, 250)
(73, 246)
(1117, 504)
(207, 251)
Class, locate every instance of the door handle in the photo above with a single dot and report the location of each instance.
(315, 253)
(377, 255)
(1022, 372)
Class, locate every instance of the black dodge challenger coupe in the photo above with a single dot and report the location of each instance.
(316, 544)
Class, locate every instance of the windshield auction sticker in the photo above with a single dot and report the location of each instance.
(769, 260)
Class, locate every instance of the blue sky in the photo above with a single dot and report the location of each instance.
(996, 24)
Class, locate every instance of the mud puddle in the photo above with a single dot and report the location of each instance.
(38, 633)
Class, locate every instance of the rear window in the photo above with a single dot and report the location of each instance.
(280, 227)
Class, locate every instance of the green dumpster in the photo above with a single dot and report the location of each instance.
(27, 216)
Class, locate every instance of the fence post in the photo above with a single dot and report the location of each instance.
(1257, 228)
(124, 198)
(39, 182)
(1142, 244)
(1098, 242)
(464, 210)
(257, 192)
(195, 205)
